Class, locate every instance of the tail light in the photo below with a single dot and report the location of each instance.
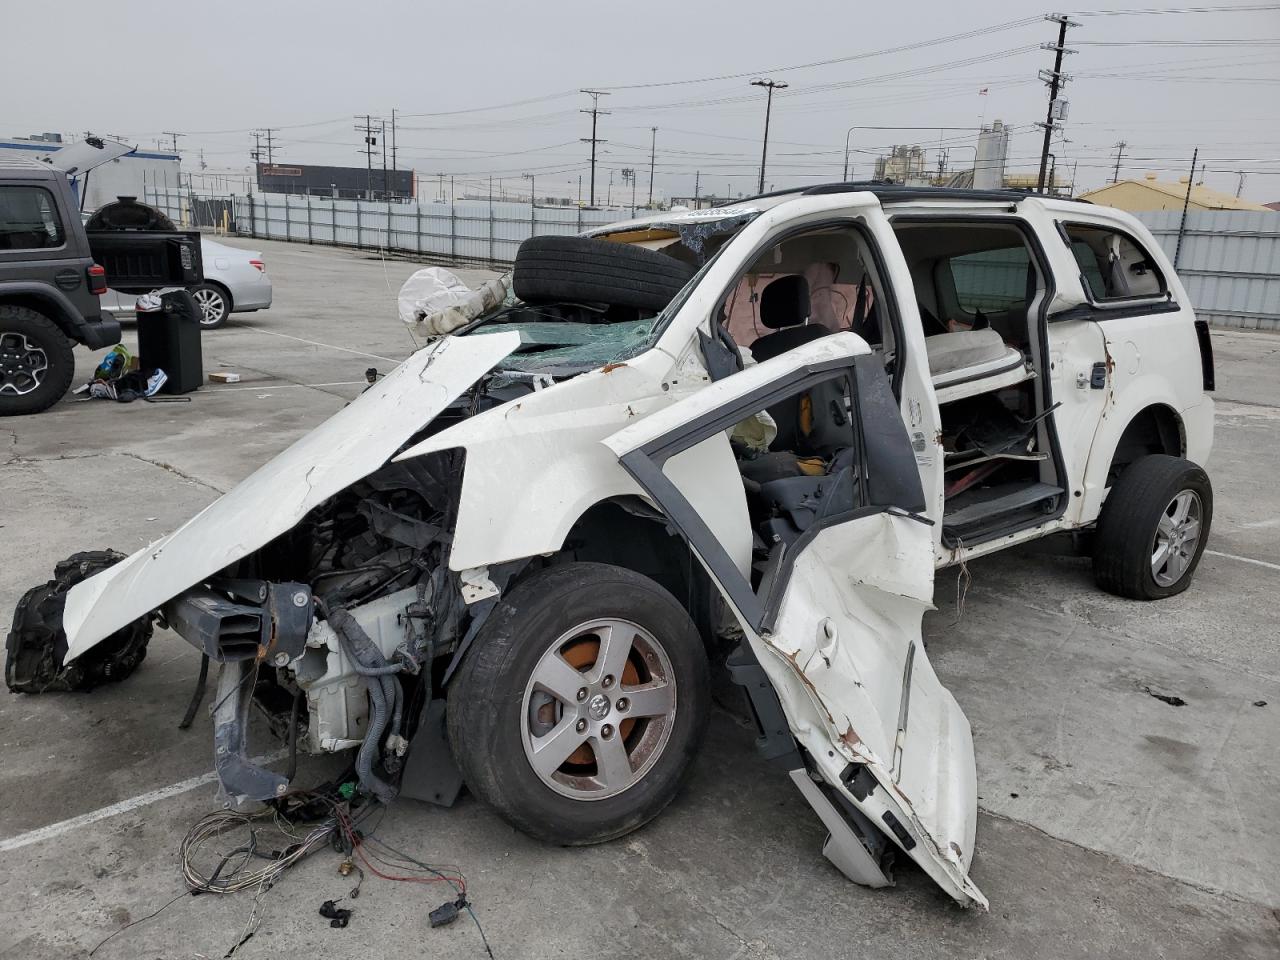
(97, 279)
(259, 265)
(1206, 354)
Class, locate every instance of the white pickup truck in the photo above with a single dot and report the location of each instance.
(741, 438)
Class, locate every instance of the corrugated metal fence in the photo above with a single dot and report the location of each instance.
(1230, 260)
(1230, 263)
(467, 230)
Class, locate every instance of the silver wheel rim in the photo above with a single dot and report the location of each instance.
(212, 306)
(23, 365)
(598, 709)
(1177, 536)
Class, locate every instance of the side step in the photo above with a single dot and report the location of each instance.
(843, 847)
(985, 504)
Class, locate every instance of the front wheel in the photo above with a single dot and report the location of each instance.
(36, 362)
(582, 703)
(214, 304)
(1153, 528)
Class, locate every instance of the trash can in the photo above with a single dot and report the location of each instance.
(169, 340)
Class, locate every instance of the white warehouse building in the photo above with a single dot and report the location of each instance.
(125, 177)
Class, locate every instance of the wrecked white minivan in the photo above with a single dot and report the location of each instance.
(739, 438)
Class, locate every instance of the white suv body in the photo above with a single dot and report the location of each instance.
(956, 443)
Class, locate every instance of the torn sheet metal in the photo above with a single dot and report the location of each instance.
(347, 447)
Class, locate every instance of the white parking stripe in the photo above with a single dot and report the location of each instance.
(317, 343)
(1232, 556)
(124, 806)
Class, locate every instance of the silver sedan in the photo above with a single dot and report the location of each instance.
(235, 281)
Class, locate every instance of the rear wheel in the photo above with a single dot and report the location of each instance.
(214, 304)
(36, 361)
(578, 711)
(1153, 528)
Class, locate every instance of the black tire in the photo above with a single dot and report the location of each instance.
(584, 270)
(487, 711)
(23, 333)
(1125, 543)
(207, 296)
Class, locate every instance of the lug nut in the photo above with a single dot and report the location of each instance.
(580, 725)
(281, 659)
(622, 703)
(607, 682)
(582, 694)
(606, 731)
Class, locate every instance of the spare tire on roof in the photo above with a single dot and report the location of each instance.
(585, 270)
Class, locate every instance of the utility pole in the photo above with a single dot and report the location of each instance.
(256, 152)
(1115, 177)
(697, 183)
(393, 140)
(653, 146)
(175, 136)
(608, 202)
(1239, 184)
(384, 160)
(267, 133)
(370, 142)
(1056, 79)
(770, 85)
(1186, 202)
(595, 111)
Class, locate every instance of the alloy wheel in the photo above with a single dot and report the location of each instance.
(1177, 536)
(212, 304)
(23, 365)
(598, 709)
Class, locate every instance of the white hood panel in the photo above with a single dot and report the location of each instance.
(347, 447)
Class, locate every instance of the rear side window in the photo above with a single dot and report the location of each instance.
(993, 281)
(1114, 266)
(28, 219)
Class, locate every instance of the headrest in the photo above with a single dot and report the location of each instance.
(785, 302)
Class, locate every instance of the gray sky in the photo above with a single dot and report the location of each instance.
(214, 71)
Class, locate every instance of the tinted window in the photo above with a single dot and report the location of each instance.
(28, 219)
(993, 281)
(1113, 265)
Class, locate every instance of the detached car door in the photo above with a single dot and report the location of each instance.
(832, 601)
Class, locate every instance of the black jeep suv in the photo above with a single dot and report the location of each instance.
(52, 272)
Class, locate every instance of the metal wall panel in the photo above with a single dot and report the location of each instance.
(1229, 262)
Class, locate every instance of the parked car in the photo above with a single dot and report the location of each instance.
(742, 437)
(235, 281)
(53, 272)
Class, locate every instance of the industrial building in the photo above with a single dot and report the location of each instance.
(1153, 194)
(345, 183)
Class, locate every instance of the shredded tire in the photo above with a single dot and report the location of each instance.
(585, 270)
(37, 643)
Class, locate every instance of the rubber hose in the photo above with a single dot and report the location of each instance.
(397, 709)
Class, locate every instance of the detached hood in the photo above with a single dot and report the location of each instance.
(347, 447)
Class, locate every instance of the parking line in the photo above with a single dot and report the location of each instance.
(124, 806)
(317, 343)
(1232, 556)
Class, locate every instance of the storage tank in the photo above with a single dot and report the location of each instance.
(993, 151)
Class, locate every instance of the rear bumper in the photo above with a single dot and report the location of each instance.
(251, 296)
(103, 332)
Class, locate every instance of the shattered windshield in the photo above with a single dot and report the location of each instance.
(563, 339)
